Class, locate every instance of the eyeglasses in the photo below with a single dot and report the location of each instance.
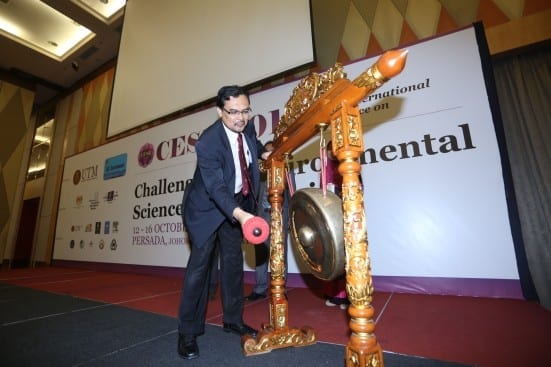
(235, 113)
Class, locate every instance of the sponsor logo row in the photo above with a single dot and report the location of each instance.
(101, 244)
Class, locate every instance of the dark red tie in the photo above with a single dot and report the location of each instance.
(243, 163)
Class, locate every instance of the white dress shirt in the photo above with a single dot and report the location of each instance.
(232, 136)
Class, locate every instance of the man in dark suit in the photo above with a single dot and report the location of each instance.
(214, 210)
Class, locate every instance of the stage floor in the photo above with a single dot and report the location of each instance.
(485, 332)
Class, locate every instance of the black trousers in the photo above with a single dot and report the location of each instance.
(193, 304)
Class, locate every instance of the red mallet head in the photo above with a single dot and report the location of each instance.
(256, 230)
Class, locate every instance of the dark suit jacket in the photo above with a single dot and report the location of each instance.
(211, 198)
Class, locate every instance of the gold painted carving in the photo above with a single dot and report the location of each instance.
(359, 285)
(354, 131)
(269, 339)
(371, 78)
(277, 248)
(308, 90)
(276, 245)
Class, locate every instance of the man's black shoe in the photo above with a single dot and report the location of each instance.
(187, 346)
(243, 329)
(254, 296)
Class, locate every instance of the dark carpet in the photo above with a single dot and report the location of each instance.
(45, 329)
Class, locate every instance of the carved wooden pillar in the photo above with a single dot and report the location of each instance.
(347, 137)
(278, 304)
(277, 333)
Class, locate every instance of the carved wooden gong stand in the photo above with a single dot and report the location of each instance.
(320, 101)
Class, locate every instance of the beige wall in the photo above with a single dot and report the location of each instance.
(521, 32)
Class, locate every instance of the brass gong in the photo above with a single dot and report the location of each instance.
(316, 227)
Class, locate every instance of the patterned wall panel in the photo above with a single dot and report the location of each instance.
(94, 111)
(373, 26)
(15, 112)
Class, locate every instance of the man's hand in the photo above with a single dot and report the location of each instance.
(241, 215)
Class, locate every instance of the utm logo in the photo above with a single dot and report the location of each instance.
(85, 174)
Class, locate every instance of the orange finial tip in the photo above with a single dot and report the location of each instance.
(392, 62)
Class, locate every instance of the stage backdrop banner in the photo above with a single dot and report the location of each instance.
(434, 191)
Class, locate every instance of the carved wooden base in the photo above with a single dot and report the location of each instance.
(364, 358)
(269, 339)
(362, 349)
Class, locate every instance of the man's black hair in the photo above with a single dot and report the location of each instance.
(228, 91)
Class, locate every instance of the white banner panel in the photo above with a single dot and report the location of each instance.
(434, 192)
